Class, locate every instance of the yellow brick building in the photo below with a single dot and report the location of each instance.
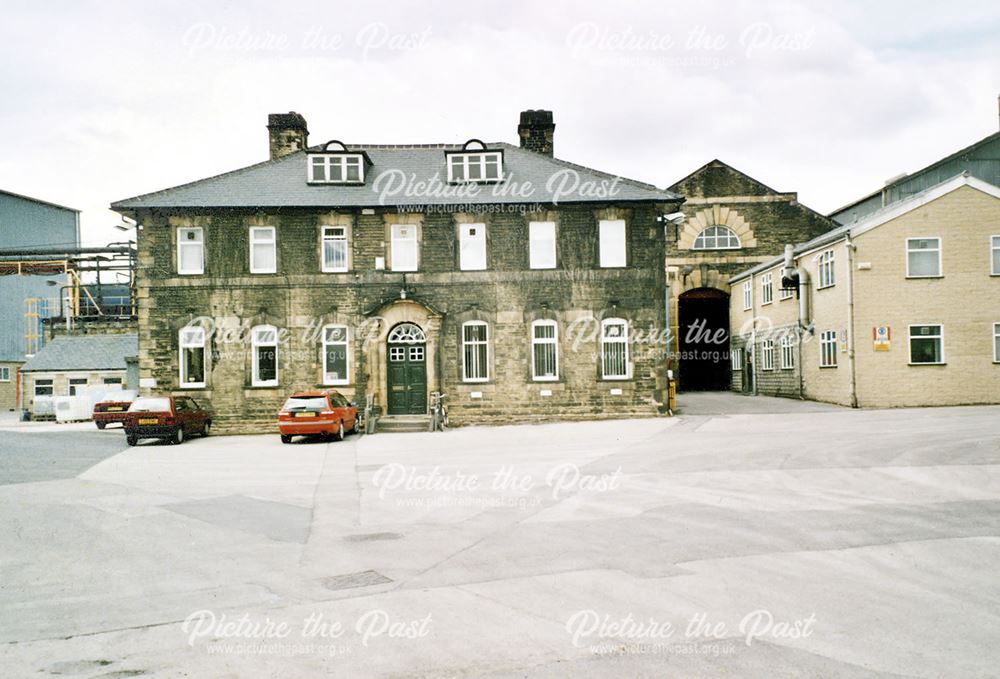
(901, 308)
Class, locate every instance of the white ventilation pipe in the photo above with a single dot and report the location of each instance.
(799, 278)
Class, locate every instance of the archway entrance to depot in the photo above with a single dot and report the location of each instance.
(703, 340)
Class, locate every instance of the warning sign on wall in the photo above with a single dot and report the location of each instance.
(881, 337)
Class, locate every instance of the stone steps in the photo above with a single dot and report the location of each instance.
(403, 423)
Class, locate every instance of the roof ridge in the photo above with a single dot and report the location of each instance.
(601, 173)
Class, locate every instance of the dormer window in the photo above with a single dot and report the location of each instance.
(474, 163)
(335, 164)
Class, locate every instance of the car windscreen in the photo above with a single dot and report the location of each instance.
(305, 403)
(150, 405)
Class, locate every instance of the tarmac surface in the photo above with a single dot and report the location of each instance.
(746, 537)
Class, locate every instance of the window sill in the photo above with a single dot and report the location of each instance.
(263, 273)
(925, 364)
(477, 382)
(826, 287)
(828, 367)
(766, 303)
(917, 278)
(190, 273)
(335, 271)
(192, 386)
(615, 379)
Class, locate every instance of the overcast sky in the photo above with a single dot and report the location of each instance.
(102, 101)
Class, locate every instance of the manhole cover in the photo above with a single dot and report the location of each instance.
(371, 537)
(362, 579)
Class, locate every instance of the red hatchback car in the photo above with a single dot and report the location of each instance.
(171, 418)
(317, 413)
(109, 412)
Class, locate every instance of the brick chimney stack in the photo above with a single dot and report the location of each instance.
(287, 133)
(536, 131)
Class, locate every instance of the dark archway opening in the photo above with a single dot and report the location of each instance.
(703, 323)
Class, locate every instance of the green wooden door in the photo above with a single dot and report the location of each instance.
(407, 376)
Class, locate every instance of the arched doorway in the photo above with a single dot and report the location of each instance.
(703, 340)
(406, 370)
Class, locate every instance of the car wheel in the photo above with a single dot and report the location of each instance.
(356, 429)
(101, 425)
(178, 437)
(286, 439)
(131, 440)
(339, 436)
(207, 429)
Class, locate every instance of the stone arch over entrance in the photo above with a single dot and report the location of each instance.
(404, 321)
(703, 340)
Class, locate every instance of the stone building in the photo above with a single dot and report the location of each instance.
(731, 222)
(898, 308)
(71, 362)
(510, 280)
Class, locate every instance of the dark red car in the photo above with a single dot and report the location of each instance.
(109, 412)
(171, 418)
(317, 413)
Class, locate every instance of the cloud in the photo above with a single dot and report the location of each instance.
(827, 99)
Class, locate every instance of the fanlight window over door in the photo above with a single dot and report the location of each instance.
(407, 333)
(717, 238)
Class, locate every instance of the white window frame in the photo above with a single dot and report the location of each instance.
(47, 382)
(748, 295)
(613, 245)
(75, 382)
(184, 243)
(191, 337)
(828, 338)
(328, 379)
(996, 342)
(4, 373)
(262, 237)
(256, 343)
(718, 233)
(341, 162)
(542, 245)
(472, 246)
(334, 235)
(607, 342)
(995, 255)
(766, 288)
(481, 160)
(485, 344)
(910, 338)
(767, 354)
(736, 358)
(394, 251)
(787, 352)
(826, 272)
(554, 341)
(940, 269)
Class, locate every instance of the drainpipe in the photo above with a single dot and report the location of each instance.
(800, 277)
(850, 321)
(753, 337)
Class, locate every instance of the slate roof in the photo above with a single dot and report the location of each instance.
(84, 352)
(282, 183)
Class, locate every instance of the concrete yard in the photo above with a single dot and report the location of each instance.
(747, 537)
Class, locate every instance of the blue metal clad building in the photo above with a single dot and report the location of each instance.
(29, 223)
(981, 160)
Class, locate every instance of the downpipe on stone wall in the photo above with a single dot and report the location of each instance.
(851, 248)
